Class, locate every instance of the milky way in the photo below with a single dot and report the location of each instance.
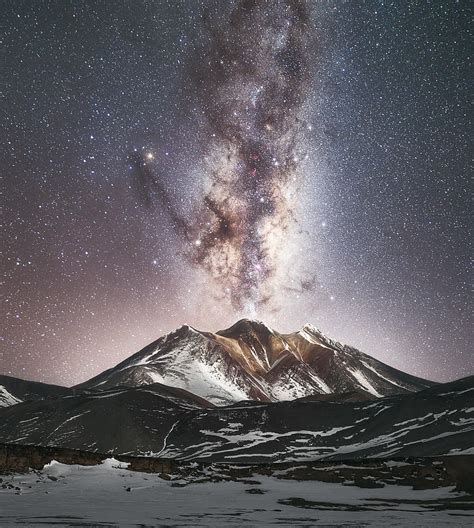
(252, 85)
(251, 79)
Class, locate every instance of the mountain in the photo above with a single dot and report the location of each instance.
(435, 421)
(15, 390)
(154, 420)
(245, 394)
(118, 419)
(250, 361)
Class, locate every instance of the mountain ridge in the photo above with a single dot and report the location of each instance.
(251, 361)
(158, 421)
(16, 390)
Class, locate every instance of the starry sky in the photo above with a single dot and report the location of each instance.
(185, 161)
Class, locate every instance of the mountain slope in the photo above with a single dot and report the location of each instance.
(7, 398)
(436, 421)
(117, 420)
(250, 361)
(156, 420)
(15, 390)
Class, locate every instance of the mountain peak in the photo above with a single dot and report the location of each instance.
(185, 328)
(251, 361)
(311, 332)
(308, 327)
(245, 325)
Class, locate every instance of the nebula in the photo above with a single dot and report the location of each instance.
(249, 81)
(152, 190)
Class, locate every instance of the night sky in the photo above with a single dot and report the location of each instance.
(171, 162)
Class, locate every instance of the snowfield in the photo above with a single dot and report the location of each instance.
(110, 495)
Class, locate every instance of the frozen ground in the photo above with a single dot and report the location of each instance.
(109, 495)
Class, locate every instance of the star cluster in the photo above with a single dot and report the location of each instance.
(181, 162)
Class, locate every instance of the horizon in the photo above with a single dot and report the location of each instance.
(243, 319)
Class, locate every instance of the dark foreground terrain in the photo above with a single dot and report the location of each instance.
(158, 421)
(76, 488)
(420, 473)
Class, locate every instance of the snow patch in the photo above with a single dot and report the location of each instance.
(381, 376)
(364, 382)
(6, 398)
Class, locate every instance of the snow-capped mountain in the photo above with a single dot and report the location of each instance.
(250, 361)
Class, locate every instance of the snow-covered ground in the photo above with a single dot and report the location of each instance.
(110, 495)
